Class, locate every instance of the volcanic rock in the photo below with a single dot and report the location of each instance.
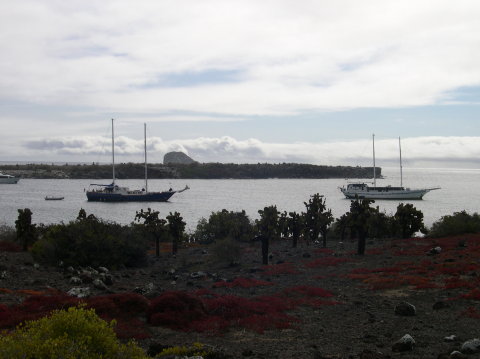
(177, 157)
(406, 343)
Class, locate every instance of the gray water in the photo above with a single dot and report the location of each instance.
(460, 190)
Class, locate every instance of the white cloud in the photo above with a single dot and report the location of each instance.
(312, 55)
(460, 152)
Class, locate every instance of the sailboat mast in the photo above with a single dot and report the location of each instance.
(113, 154)
(374, 169)
(401, 167)
(145, 148)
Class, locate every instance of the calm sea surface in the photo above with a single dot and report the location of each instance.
(460, 189)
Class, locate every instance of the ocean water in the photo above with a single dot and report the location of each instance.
(460, 190)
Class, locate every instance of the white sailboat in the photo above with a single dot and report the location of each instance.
(4, 178)
(363, 190)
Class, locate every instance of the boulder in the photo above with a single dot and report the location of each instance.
(405, 343)
(97, 283)
(79, 292)
(145, 290)
(450, 338)
(75, 281)
(434, 250)
(405, 309)
(102, 270)
(457, 355)
(471, 346)
(106, 278)
(86, 276)
(196, 275)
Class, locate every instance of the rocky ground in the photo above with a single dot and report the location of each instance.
(371, 290)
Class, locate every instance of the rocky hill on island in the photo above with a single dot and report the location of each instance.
(177, 158)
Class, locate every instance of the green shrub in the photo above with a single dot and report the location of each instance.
(226, 251)
(224, 224)
(197, 349)
(91, 242)
(458, 223)
(76, 333)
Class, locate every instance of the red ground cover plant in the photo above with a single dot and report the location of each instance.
(126, 309)
(34, 307)
(308, 291)
(474, 294)
(279, 269)
(7, 246)
(176, 310)
(326, 262)
(242, 283)
(471, 312)
(207, 311)
(454, 267)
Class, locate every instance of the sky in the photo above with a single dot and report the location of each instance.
(241, 81)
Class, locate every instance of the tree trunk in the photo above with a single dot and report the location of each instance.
(324, 238)
(361, 242)
(174, 246)
(157, 246)
(265, 250)
(295, 240)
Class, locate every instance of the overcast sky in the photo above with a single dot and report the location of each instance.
(241, 81)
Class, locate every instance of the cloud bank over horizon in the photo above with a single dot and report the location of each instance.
(461, 152)
(241, 81)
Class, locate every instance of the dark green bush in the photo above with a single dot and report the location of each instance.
(224, 224)
(226, 251)
(91, 242)
(458, 223)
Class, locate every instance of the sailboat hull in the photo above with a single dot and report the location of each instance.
(372, 193)
(134, 197)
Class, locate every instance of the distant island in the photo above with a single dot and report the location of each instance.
(181, 166)
(188, 171)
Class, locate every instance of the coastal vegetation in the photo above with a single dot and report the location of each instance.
(89, 241)
(260, 299)
(191, 171)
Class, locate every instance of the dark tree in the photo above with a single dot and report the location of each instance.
(295, 226)
(341, 226)
(380, 225)
(283, 225)
(409, 220)
(317, 218)
(224, 224)
(268, 227)
(26, 231)
(359, 215)
(82, 214)
(153, 225)
(176, 227)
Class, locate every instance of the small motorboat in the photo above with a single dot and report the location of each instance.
(53, 198)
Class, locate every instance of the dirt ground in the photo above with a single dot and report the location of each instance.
(367, 288)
